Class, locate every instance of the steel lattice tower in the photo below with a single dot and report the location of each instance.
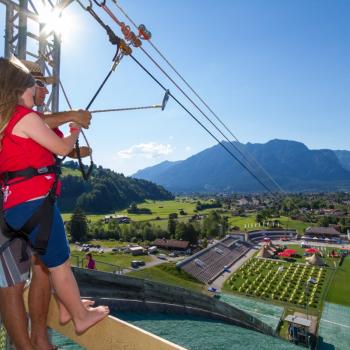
(27, 38)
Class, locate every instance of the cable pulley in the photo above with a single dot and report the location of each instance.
(144, 33)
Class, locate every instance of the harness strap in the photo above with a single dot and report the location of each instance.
(43, 216)
(28, 173)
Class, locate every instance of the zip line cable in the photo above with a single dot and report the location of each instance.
(201, 124)
(110, 13)
(110, 32)
(252, 158)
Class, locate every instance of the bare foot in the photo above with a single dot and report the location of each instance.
(91, 317)
(65, 316)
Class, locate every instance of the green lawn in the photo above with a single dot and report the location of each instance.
(250, 223)
(160, 209)
(339, 291)
(300, 226)
(280, 282)
(116, 259)
(169, 274)
(108, 243)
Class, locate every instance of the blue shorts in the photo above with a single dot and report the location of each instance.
(57, 251)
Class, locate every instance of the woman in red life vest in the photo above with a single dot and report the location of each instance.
(27, 142)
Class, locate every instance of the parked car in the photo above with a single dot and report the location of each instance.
(136, 263)
(162, 256)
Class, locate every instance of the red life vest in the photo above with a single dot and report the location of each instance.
(57, 131)
(19, 153)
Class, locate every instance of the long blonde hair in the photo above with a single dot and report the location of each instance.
(14, 80)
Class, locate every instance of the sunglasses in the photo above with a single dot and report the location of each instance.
(39, 83)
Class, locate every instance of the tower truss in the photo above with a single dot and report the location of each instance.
(28, 38)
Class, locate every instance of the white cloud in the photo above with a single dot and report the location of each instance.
(148, 150)
(188, 148)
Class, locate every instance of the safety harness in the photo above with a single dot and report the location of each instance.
(42, 217)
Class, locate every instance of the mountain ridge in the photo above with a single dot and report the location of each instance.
(292, 164)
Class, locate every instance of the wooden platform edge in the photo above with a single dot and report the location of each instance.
(110, 333)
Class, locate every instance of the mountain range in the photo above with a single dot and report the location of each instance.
(275, 165)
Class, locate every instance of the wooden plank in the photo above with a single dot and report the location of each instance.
(110, 333)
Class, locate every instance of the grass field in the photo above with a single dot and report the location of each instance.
(169, 274)
(117, 259)
(162, 209)
(248, 223)
(108, 243)
(339, 291)
(280, 282)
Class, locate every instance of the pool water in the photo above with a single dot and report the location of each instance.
(196, 333)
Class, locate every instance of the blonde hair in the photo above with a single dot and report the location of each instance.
(14, 80)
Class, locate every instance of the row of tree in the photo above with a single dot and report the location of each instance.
(106, 191)
(213, 225)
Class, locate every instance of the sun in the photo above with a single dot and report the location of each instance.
(55, 20)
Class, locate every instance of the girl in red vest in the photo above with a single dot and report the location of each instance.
(26, 141)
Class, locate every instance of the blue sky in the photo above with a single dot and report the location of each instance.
(269, 68)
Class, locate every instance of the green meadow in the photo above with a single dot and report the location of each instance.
(169, 274)
(162, 209)
(339, 291)
(103, 260)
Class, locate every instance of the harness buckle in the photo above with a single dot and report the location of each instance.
(43, 170)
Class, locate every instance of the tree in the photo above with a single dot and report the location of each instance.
(186, 232)
(78, 226)
(172, 226)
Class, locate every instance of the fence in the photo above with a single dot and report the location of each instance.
(79, 261)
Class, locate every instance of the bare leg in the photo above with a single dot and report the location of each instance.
(68, 292)
(39, 299)
(14, 316)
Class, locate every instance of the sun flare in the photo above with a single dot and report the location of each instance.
(55, 20)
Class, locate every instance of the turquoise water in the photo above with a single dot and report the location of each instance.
(196, 333)
(267, 313)
(334, 330)
(64, 343)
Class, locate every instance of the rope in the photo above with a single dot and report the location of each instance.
(252, 158)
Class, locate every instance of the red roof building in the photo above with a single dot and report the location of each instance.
(171, 244)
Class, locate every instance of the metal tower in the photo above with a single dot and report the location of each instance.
(28, 38)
